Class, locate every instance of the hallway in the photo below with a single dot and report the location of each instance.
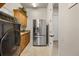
(41, 51)
(49, 29)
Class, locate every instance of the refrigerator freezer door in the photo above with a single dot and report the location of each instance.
(39, 32)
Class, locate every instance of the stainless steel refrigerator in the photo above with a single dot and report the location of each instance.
(40, 32)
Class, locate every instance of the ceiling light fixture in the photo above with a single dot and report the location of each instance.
(34, 4)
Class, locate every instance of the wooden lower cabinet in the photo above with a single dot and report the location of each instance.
(25, 39)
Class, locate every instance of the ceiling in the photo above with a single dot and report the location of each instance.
(29, 5)
(39, 5)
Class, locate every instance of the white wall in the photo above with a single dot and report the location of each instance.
(40, 13)
(68, 30)
(55, 23)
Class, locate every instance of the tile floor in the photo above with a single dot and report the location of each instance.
(55, 48)
(41, 51)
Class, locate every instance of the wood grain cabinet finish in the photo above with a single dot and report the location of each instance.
(21, 18)
(1, 5)
(25, 39)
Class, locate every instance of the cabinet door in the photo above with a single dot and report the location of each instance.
(22, 42)
(21, 18)
(1, 4)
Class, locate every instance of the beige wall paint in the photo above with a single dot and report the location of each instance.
(68, 30)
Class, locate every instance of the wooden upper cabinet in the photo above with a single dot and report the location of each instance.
(1, 4)
(21, 18)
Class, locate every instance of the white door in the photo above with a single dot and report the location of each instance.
(50, 23)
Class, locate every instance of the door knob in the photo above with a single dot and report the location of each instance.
(51, 35)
